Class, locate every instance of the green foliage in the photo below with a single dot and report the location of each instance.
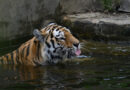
(110, 5)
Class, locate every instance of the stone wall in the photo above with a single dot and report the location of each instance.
(18, 18)
(80, 6)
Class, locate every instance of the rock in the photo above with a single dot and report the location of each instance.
(80, 6)
(124, 6)
(100, 26)
(19, 18)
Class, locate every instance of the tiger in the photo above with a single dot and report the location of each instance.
(51, 45)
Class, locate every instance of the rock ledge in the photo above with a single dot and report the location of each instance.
(100, 26)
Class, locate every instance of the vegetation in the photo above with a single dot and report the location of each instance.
(110, 5)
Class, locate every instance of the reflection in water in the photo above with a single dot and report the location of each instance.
(24, 73)
(40, 77)
(92, 74)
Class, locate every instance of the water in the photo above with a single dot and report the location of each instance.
(101, 67)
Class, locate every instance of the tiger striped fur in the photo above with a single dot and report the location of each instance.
(52, 44)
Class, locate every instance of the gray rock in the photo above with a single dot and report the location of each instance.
(81, 6)
(125, 6)
(19, 18)
(100, 26)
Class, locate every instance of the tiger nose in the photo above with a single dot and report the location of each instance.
(76, 44)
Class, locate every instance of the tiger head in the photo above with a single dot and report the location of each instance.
(57, 43)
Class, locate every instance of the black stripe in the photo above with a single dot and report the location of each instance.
(47, 37)
(48, 27)
(28, 50)
(57, 39)
(63, 52)
(60, 27)
(12, 59)
(7, 58)
(22, 55)
(48, 52)
(51, 35)
(38, 47)
(52, 41)
(52, 57)
(48, 45)
(54, 51)
(54, 27)
(57, 28)
(17, 56)
(57, 48)
(35, 41)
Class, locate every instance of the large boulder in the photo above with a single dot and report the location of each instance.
(125, 6)
(99, 26)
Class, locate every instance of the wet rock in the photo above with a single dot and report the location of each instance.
(100, 26)
(125, 6)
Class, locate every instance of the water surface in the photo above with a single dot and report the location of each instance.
(106, 67)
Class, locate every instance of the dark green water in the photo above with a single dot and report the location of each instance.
(107, 67)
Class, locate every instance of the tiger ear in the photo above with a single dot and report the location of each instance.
(38, 35)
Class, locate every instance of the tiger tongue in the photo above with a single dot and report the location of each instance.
(78, 52)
